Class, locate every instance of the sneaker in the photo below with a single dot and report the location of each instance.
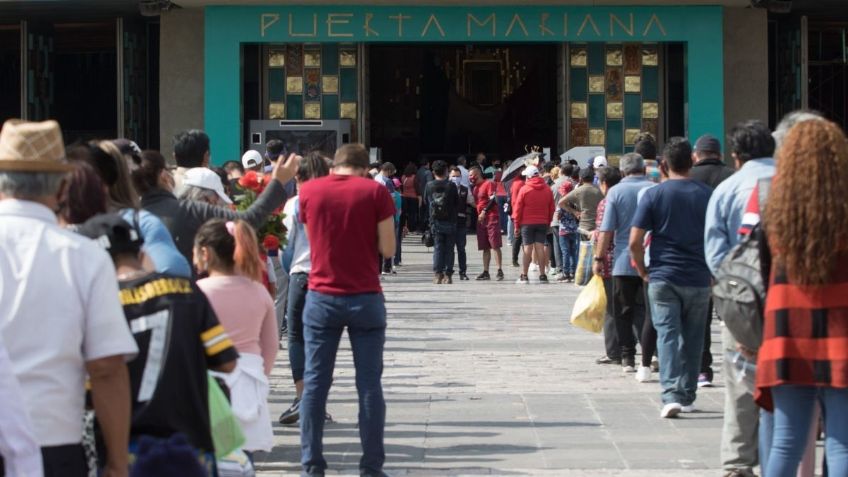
(463, 276)
(628, 368)
(484, 276)
(515, 264)
(523, 280)
(398, 264)
(562, 278)
(291, 415)
(543, 279)
(671, 410)
(704, 381)
(687, 409)
(500, 275)
(607, 360)
(643, 374)
(437, 278)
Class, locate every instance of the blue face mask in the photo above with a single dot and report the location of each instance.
(456, 180)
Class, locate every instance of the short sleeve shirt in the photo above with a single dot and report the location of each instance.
(483, 194)
(179, 338)
(675, 213)
(586, 198)
(341, 214)
(620, 208)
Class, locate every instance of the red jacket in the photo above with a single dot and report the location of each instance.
(534, 204)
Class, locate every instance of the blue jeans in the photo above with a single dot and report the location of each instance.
(568, 245)
(460, 238)
(294, 318)
(679, 315)
(793, 411)
(443, 238)
(324, 319)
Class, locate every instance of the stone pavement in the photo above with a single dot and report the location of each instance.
(489, 378)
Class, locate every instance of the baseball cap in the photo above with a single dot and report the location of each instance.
(251, 159)
(599, 161)
(206, 179)
(530, 171)
(708, 143)
(113, 233)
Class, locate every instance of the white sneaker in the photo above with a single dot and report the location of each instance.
(687, 409)
(628, 369)
(670, 410)
(643, 374)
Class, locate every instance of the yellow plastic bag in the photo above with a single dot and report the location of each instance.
(591, 306)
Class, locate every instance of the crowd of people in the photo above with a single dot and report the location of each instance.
(132, 291)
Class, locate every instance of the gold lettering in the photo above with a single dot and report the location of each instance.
(430, 21)
(160, 287)
(314, 27)
(543, 24)
(586, 21)
(654, 20)
(614, 19)
(338, 19)
(400, 18)
(516, 19)
(472, 18)
(367, 26)
(266, 20)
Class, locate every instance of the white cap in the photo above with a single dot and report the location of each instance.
(599, 161)
(206, 179)
(530, 171)
(251, 159)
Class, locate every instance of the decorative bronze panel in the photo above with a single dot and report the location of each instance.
(578, 110)
(614, 87)
(632, 84)
(294, 85)
(277, 58)
(597, 137)
(294, 60)
(330, 84)
(632, 65)
(348, 110)
(579, 132)
(651, 126)
(578, 57)
(649, 56)
(650, 110)
(630, 136)
(615, 110)
(614, 56)
(312, 59)
(277, 110)
(347, 58)
(596, 84)
(312, 110)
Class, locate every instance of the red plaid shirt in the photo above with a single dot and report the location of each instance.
(606, 264)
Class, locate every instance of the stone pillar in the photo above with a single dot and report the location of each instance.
(180, 75)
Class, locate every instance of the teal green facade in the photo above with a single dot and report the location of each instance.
(228, 27)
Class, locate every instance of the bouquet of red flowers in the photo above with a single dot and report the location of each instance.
(272, 234)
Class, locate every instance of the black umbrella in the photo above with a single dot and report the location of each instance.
(518, 165)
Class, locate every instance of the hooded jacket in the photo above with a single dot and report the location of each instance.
(534, 204)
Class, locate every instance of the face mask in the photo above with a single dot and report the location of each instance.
(456, 180)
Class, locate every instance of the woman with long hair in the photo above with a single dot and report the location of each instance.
(229, 253)
(804, 355)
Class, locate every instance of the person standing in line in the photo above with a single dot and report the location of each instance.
(752, 147)
(228, 252)
(514, 188)
(534, 207)
(583, 202)
(608, 177)
(442, 200)
(422, 177)
(165, 312)
(710, 169)
(412, 201)
(80, 330)
(502, 198)
(19, 451)
(297, 254)
(567, 230)
(191, 149)
(488, 226)
(349, 221)
(627, 287)
(465, 203)
(679, 292)
(461, 163)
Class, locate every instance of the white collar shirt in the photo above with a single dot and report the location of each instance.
(464, 178)
(59, 308)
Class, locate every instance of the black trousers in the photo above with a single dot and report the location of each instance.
(60, 461)
(707, 356)
(629, 308)
(516, 247)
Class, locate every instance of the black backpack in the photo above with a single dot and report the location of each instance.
(741, 283)
(439, 205)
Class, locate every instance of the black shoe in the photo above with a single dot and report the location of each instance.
(484, 276)
(543, 279)
(500, 275)
(515, 264)
(607, 360)
(292, 414)
(463, 276)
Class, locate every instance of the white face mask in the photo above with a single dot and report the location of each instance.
(456, 180)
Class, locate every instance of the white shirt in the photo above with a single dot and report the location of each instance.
(59, 308)
(301, 262)
(464, 180)
(20, 452)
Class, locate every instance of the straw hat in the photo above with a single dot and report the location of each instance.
(32, 147)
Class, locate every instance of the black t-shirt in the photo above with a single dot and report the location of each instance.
(178, 337)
